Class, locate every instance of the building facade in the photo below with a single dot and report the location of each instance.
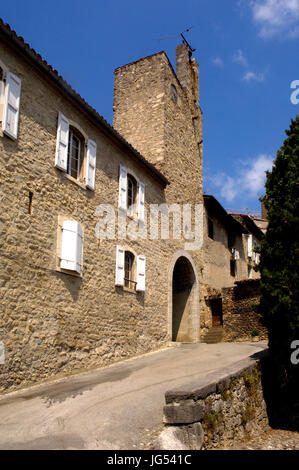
(74, 293)
(91, 272)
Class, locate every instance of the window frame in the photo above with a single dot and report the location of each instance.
(61, 220)
(74, 133)
(130, 282)
(132, 208)
(68, 129)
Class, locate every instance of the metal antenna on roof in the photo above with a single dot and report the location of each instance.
(184, 40)
(187, 43)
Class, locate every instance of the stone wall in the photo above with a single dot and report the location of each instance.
(240, 317)
(218, 409)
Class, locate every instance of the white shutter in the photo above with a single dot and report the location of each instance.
(140, 278)
(141, 202)
(120, 266)
(249, 245)
(91, 164)
(62, 142)
(11, 105)
(71, 248)
(123, 188)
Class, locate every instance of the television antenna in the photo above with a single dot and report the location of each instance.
(191, 49)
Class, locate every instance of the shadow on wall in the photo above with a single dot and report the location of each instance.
(71, 283)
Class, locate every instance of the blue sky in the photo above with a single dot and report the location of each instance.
(247, 52)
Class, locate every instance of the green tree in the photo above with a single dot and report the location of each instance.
(279, 269)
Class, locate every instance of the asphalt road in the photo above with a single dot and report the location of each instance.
(116, 407)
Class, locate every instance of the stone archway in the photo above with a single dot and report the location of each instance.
(184, 306)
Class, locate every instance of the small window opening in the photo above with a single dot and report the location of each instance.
(30, 198)
(233, 267)
(75, 153)
(132, 193)
(129, 271)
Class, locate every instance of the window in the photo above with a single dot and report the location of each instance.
(131, 194)
(210, 228)
(10, 93)
(71, 247)
(75, 155)
(130, 270)
(233, 267)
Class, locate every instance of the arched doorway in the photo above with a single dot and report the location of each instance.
(184, 301)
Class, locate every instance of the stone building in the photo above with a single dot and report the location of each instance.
(229, 244)
(73, 295)
(85, 279)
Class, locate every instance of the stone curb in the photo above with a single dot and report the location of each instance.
(214, 382)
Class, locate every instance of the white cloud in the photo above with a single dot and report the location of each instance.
(239, 58)
(218, 62)
(248, 76)
(258, 77)
(249, 180)
(254, 176)
(276, 16)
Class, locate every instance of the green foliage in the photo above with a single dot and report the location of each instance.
(255, 332)
(247, 414)
(279, 264)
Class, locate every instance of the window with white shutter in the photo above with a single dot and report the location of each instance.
(91, 164)
(123, 188)
(71, 246)
(62, 143)
(130, 281)
(120, 266)
(141, 188)
(140, 277)
(249, 245)
(11, 105)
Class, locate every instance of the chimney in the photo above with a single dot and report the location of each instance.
(187, 71)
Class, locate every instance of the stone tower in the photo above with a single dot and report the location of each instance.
(157, 111)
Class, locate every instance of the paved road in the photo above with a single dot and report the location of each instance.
(117, 407)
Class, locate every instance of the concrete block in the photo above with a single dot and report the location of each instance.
(183, 413)
(181, 438)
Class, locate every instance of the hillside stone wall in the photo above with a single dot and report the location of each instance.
(240, 317)
(216, 410)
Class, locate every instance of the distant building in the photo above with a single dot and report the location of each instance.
(229, 258)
